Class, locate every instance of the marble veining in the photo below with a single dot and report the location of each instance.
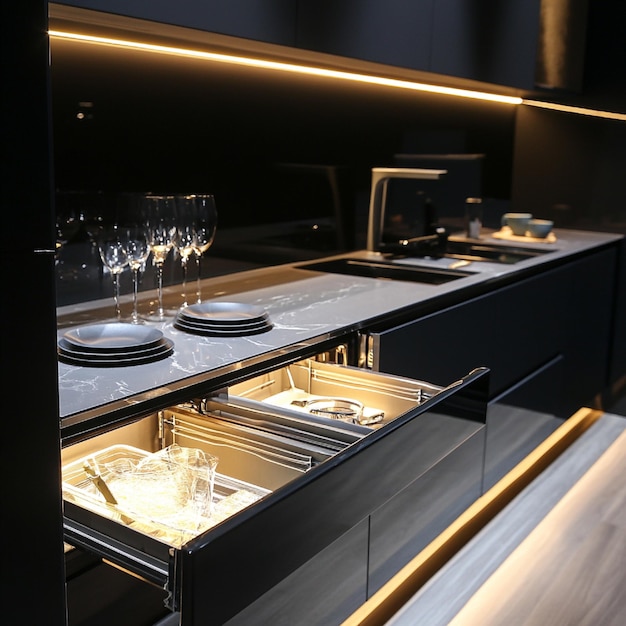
(306, 309)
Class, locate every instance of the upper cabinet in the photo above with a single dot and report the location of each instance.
(487, 40)
(271, 21)
(394, 32)
(525, 44)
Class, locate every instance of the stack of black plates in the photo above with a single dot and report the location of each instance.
(223, 319)
(113, 345)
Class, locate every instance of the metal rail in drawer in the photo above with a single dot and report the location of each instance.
(120, 554)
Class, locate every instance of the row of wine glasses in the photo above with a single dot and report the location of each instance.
(186, 223)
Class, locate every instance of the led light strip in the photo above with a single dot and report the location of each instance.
(336, 74)
(288, 67)
(565, 108)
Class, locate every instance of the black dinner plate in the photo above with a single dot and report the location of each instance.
(116, 337)
(227, 313)
(97, 361)
(219, 332)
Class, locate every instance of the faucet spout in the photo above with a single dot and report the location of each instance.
(378, 196)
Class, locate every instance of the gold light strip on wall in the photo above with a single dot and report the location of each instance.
(288, 67)
(565, 108)
(328, 73)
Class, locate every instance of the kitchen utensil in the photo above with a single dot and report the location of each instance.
(343, 409)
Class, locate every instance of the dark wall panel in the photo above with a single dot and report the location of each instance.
(570, 168)
(128, 120)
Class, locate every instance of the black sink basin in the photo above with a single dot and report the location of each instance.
(385, 270)
(493, 253)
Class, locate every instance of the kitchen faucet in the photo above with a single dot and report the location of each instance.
(378, 196)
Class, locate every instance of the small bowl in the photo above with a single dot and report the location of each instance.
(539, 228)
(517, 222)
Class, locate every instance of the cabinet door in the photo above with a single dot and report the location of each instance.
(517, 331)
(394, 32)
(512, 433)
(337, 575)
(412, 518)
(272, 21)
(618, 354)
(512, 331)
(591, 309)
(490, 41)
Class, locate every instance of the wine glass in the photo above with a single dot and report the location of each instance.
(161, 227)
(115, 258)
(206, 225)
(138, 250)
(185, 235)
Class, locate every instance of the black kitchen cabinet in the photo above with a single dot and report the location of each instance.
(356, 565)
(324, 529)
(489, 41)
(519, 331)
(271, 21)
(618, 353)
(395, 32)
(547, 340)
(513, 44)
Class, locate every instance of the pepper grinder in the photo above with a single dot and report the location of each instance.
(473, 217)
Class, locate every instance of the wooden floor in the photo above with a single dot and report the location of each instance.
(555, 556)
(572, 568)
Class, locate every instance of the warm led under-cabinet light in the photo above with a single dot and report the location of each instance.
(566, 108)
(287, 67)
(219, 57)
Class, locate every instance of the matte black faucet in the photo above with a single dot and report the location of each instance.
(378, 196)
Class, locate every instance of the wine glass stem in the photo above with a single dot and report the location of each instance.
(135, 289)
(198, 288)
(160, 311)
(116, 296)
(184, 285)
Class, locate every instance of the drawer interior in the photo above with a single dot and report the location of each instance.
(260, 434)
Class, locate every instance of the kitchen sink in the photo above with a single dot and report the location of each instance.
(490, 252)
(439, 245)
(385, 270)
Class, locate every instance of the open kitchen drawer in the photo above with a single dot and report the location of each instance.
(298, 463)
